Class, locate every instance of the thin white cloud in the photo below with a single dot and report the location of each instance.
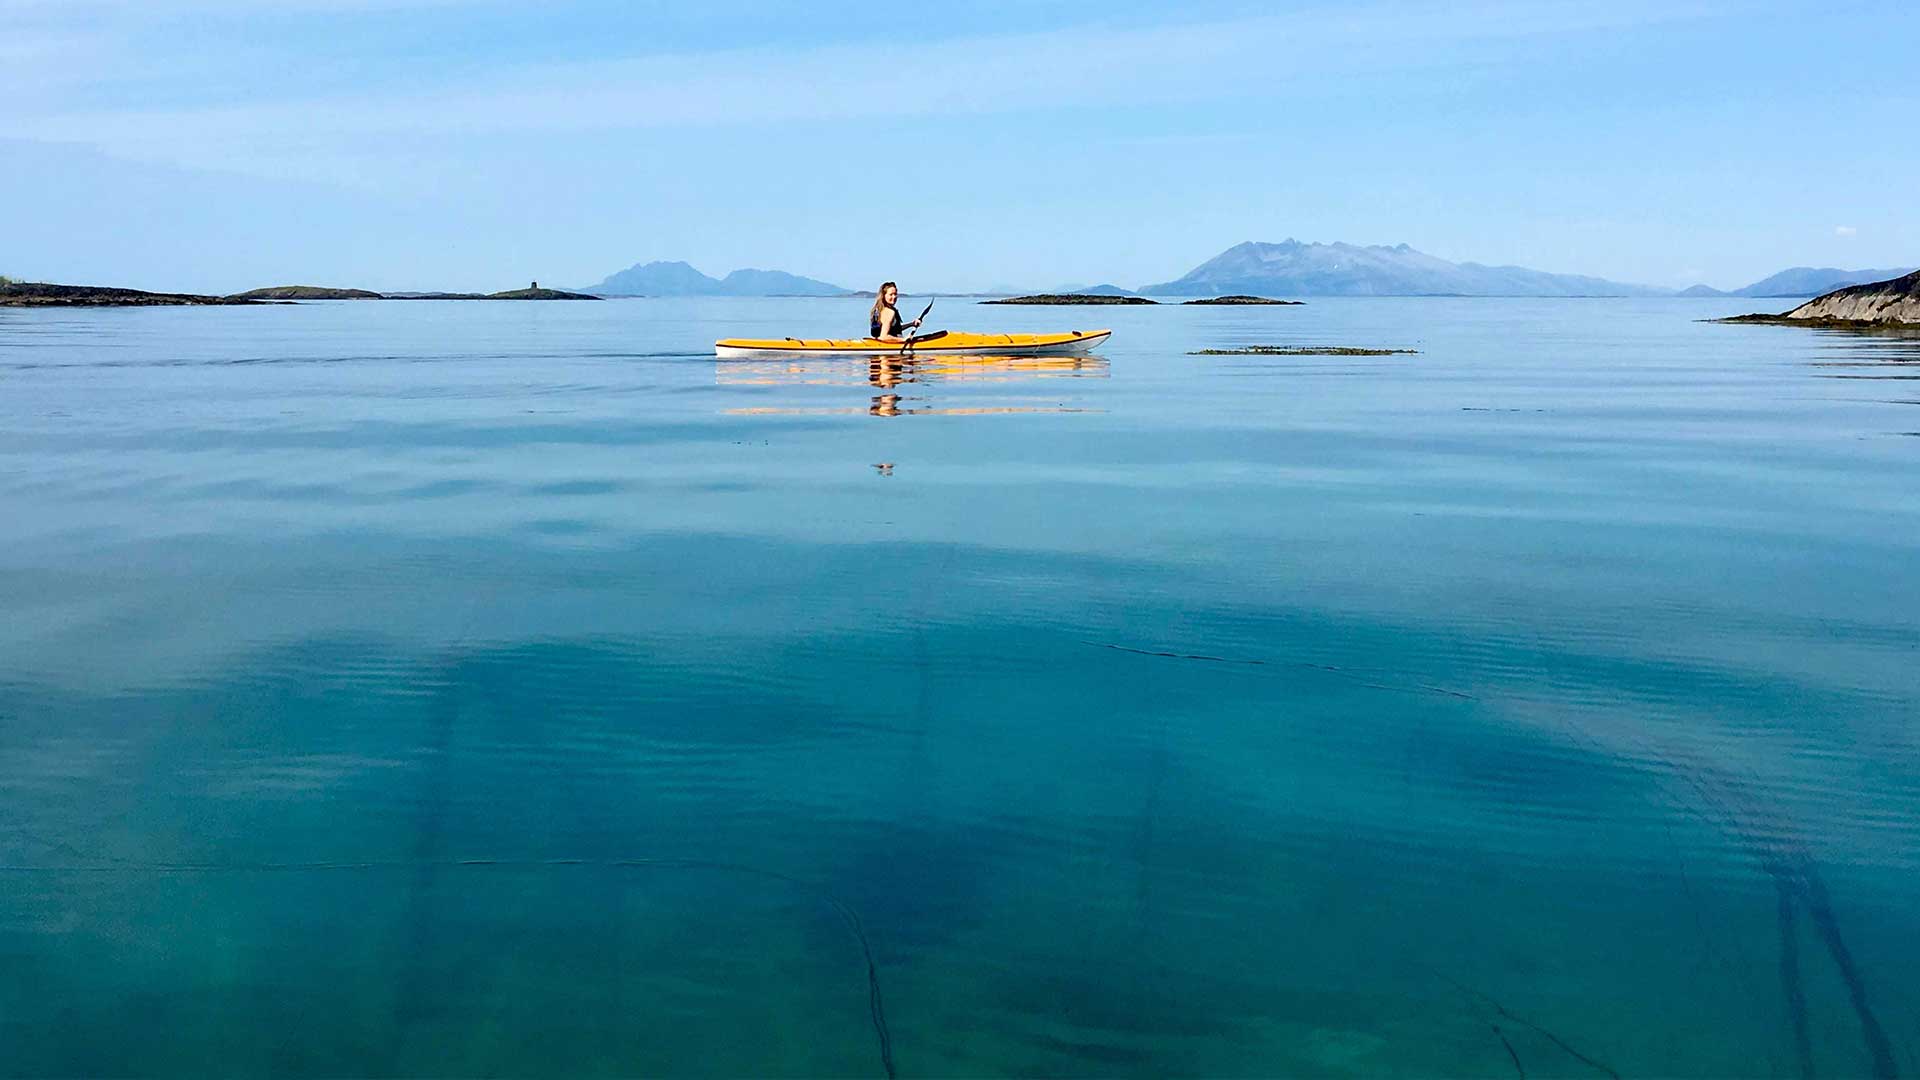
(1063, 67)
(1845, 230)
(1159, 65)
(163, 9)
(30, 57)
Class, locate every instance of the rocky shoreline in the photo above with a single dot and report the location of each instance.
(1880, 305)
(1243, 299)
(1065, 299)
(1072, 298)
(41, 294)
(535, 293)
(306, 292)
(1881, 325)
(37, 294)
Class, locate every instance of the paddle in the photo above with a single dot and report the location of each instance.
(907, 345)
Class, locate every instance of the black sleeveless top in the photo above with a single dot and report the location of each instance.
(873, 322)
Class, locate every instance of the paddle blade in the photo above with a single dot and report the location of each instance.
(935, 336)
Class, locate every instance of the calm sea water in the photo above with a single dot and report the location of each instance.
(508, 688)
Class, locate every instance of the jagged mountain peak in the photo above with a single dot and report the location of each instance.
(1340, 268)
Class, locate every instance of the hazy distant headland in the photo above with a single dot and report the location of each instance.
(1877, 305)
(1340, 269)
(1083, 290)
(1804, 281)
(680, 279)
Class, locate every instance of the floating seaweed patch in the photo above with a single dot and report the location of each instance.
(1302, 350)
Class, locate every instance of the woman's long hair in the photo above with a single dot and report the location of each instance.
(880, 299)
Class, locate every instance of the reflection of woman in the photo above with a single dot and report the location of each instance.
(886, 372)
(884, 324)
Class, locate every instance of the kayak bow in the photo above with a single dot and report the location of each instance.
(951, 343)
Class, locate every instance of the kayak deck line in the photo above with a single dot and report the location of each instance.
(952, 343)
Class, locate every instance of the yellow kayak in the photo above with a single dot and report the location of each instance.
(944, 343)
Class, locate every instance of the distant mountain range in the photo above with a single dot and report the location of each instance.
(1804, 281)
(1297, 269)
(1291, 268)
(1294, 268)
(679, 279)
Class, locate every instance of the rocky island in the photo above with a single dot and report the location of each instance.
(1878, 305)
(532, 292)
(39, 294)
(305, 292)
(538, 293)
(1072, 298)
(1239, 298)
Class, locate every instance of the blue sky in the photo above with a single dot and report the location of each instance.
(207, 145)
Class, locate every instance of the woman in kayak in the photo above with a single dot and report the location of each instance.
(884, 324)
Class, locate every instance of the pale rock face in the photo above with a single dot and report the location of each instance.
(1895, 301)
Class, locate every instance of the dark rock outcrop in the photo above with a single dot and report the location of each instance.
(1241, 298)
(1071, 298)
(305, 292)
(1893, 304)
(538, 294)
(511, 294)
(1302, 350)
(37, 294)
(40, 294)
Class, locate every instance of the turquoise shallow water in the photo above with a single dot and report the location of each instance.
(458, 689)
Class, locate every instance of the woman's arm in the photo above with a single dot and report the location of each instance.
(889, 330)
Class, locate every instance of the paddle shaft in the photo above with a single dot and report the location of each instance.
(907, 345)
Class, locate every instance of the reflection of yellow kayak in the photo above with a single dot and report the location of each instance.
(951, 343)
(804, 370)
